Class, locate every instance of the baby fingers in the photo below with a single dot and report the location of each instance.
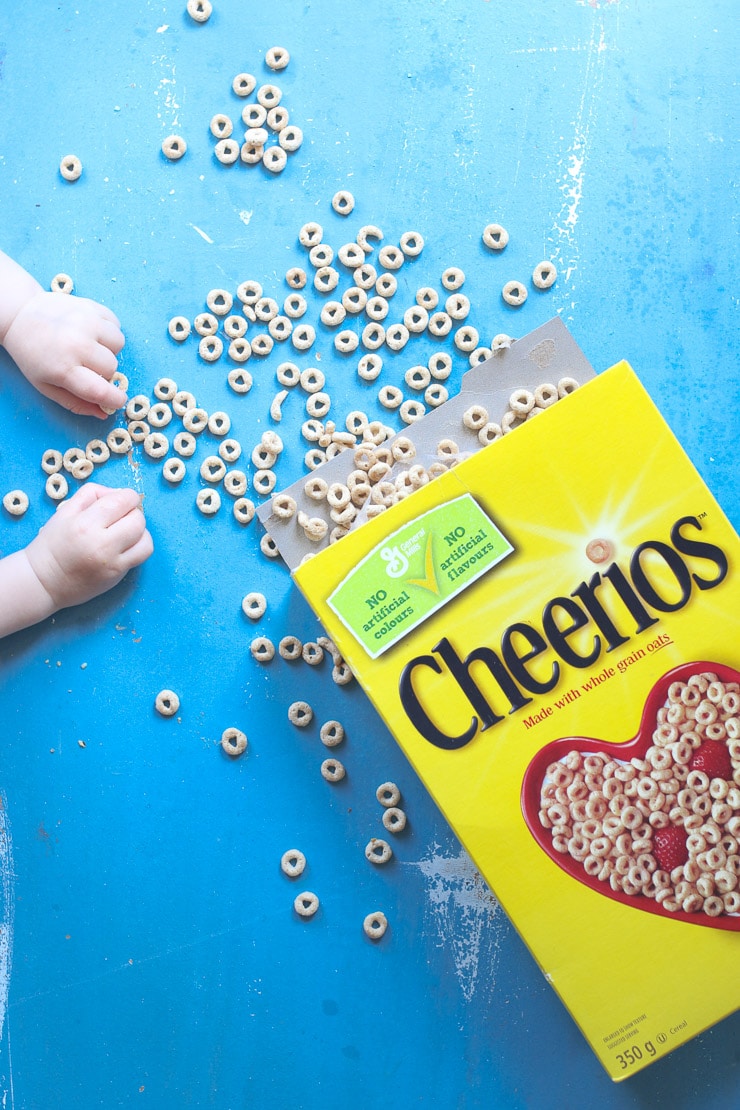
(90, 382)
(109, 333)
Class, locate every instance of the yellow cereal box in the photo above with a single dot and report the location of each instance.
(550, 630)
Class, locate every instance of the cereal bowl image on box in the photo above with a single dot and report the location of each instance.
(653, 822)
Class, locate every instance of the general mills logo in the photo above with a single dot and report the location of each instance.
(396, 562)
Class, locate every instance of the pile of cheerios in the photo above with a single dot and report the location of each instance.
(264, 119)
(384, 468)
(356, 283)
(268, 136)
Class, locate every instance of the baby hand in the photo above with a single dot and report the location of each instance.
(67, 346)
(89, 544)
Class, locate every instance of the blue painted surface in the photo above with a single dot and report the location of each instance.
(155, 958)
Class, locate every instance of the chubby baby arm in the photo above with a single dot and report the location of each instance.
(66, 346)
(84, 549)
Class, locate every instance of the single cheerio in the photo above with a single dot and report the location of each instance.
(550, 630)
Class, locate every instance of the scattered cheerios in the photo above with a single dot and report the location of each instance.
(15, 502)
(343, 202)
(300, 714)
(167, 703)
(514, 293)
(277, 57)
(56, 487)
(293, 863)
(544, 275)
(254, 605)
(262, 649)
(394, 819)
(495, 236)
(333, 770)
(453, 277)
(377, 850)
(199, 10)
(388, 794)
(208, 501)
(61, 283)
(244, 510)
(306, 904)
(331, 734)
(312, 653)
(173, 147)
(290, 647)
(233, 741)
(173, 471)
(70, 167)
(244, 84)
(375, 925)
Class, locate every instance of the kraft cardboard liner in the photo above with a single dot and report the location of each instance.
(550, 630)
(547, 354)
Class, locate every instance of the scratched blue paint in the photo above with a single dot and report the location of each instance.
(155, 956)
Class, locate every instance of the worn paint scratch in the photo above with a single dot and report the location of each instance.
(201, 233)
(571, 169)
(7, 906)
(596, 3)
(461, 908)
(245, 216)
(135, 469)
(166, 91)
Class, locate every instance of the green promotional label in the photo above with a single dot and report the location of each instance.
(415, 571)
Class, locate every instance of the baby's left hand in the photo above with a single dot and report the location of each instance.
(87, 546)
(67, 347)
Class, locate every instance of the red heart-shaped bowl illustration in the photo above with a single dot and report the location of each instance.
(536, 777)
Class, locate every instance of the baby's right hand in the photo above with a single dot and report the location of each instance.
(67, 346)
(89, 544)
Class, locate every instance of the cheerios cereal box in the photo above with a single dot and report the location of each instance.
(550, 630)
